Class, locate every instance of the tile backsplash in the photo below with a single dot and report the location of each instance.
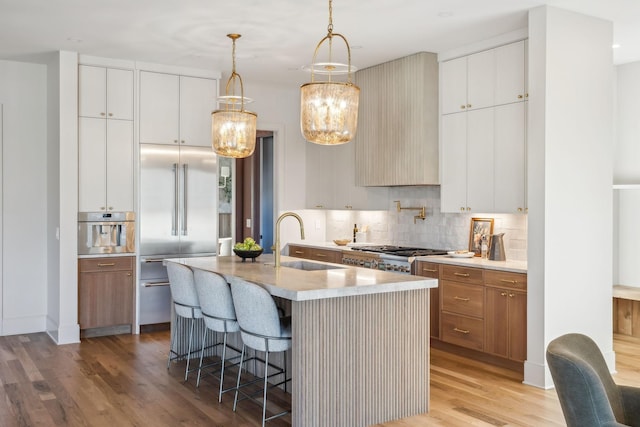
(439, 230)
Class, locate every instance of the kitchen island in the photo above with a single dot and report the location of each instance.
(360, 346)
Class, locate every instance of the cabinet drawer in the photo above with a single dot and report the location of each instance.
(462, 274)
(505, 279)
(325, 255)
(426, 269)
(462, 299)
(105, 264)
(298, 251)
(463, 331)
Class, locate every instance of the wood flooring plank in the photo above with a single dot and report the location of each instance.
(123, 381)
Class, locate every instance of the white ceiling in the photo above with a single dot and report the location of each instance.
(278, 36)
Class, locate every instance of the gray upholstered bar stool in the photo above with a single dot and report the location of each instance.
(261, 329)
(219, 315)
(186, 306)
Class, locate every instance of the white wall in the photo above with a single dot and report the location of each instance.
(626, 165)
(626, 172)
(24, 274)
(278, 109)
(68, 329)
(570, 173)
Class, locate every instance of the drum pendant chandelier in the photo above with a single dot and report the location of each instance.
(233, 129)
(328, 109)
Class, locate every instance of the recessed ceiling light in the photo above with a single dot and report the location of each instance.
(74, 39)
(615, 46)
(445, 14)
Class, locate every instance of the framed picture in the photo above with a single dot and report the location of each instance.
(479, 227)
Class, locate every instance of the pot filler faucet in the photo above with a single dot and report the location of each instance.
(276, 252)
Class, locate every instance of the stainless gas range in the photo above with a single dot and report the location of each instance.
(386, 257)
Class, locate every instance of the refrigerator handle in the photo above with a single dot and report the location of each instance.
(185, 168)
(174, 220)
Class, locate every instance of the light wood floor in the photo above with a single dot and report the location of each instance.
(123, 381)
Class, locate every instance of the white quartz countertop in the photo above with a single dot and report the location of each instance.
(301, 285)
(512, 266)
(508, 265)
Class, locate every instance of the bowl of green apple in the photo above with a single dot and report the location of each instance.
(247, 249)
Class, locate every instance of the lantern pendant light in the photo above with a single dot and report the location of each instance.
(328, 109)
(233, 129)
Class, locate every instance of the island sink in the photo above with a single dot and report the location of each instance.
(308, 266)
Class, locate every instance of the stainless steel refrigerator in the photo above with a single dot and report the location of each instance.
(178, 218)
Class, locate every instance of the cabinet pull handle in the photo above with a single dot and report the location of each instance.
(503, 294)
(348, 207)
(468, 105)
(461, 274)
(520, 97)
(102, 114)
(298, 252)
(513, 282)
(128, 274)
(462, 331)
(462, 107)
(512, 295)
(461, 299)
(154, 260)
(154, 284)
(110, 114)
(320, 255)
(430, 270)
(106, 264)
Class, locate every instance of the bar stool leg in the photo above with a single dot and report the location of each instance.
(186, 371)
(235, 399)
(204, 339)
(266, 376)
(224, 351)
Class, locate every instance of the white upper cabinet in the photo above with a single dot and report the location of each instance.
(483, 139)
(105, 175)
(510, 73)
(453, 163)
(467, 183)
(481, 80)
(484, 79)
(330, 179)
(510, 158)
(198, 99)
(453, 82)
(105, 139)
(176, 109)
(105, 92)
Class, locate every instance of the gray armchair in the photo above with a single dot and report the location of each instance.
(588, 395)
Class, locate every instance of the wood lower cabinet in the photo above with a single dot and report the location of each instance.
(479, 309)
(316, 254)
(462, 306)
(430, 269)
(105, 292)
(506, 315)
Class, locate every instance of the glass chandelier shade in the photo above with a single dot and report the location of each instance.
(328, 109)
(233, 129)
(329, 112)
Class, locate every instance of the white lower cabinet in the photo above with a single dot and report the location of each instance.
(105, 181)
(483, 160)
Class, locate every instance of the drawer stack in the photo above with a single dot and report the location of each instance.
(462, 306)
